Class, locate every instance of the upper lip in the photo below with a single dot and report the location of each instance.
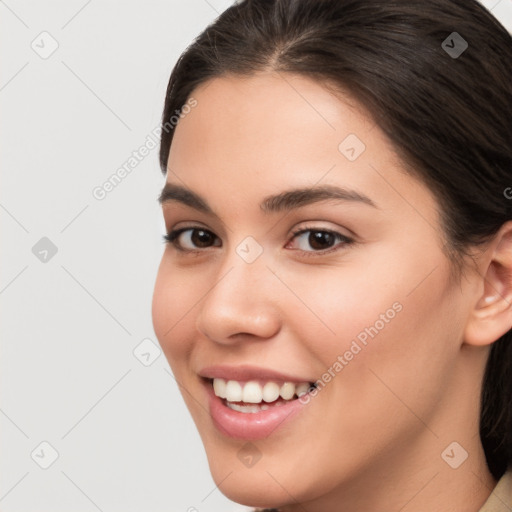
(247, 372)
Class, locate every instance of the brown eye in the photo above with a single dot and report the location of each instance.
(321, 239)
(202, 238)
(189, 239)
(318, 240)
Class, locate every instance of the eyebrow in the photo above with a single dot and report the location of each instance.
(284, 201)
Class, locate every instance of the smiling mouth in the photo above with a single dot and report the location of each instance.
(254, 396)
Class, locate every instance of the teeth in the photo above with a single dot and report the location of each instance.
(233, 391)
(252, 408)
(287, 390)
(253, 392)
(219, 386)
(302, 389)
(270, 392)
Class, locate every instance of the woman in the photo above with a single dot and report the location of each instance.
(335, 296)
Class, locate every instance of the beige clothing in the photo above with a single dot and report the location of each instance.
(500, 499)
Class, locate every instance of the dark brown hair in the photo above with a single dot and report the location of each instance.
(448, 115)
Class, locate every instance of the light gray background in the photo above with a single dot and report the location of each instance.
(70, 324)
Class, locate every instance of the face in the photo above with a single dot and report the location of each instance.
(344, 284)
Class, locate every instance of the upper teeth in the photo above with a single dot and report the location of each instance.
(253, 392)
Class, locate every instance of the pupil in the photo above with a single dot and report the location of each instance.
(201, 237)
(320, 239)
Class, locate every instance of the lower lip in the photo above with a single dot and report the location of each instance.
(250, 426)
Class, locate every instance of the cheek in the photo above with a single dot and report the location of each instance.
(174, 297)
(397, 345)
(333, 307)
(385, 328)
(406, 301)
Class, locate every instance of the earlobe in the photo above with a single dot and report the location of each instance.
(491, 317)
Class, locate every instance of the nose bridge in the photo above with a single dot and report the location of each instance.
(240, 298)
(244, 269)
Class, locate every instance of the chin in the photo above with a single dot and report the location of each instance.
(272, 482)
(251, 487)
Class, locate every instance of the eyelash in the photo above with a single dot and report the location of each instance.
(172, 236)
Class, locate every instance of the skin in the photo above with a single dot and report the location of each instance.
(384, 420)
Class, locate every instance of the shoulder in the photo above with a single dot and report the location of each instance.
(500, 500)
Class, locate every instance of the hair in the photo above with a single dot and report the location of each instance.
(448, 116)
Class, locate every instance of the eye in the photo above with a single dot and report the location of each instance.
(191, 239)
(315, 240)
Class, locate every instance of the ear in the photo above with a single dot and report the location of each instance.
(491, 316)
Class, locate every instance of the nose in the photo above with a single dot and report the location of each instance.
(241, 303)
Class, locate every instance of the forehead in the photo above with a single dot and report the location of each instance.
(272, 114)
(270, 131)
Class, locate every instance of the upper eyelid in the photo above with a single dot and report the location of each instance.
(303, 229)
(294, 231)
(176, 232)
(171, 215)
